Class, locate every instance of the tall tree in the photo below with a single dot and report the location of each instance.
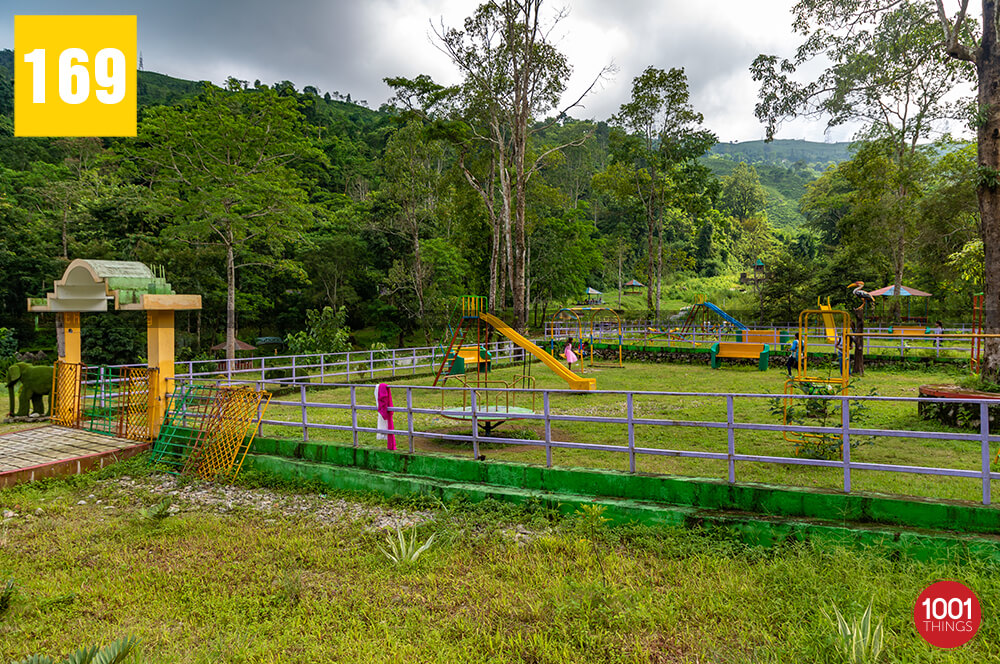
(742, 194)
(512, 75)
(413, 164)
(658, 134)
(222, 168)
(958, 37)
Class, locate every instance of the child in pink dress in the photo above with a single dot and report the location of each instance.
(568, 353)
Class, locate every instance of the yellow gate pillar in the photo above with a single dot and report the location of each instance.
(160, 358)
(71, 337)
(64, 400)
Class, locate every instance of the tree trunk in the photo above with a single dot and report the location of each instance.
(621, 256)
(650, 263)
(527, 283)
(494, 268)
(65, 233)
(899, 263)
(858, 327)
(230, 301)
(418, 275)
(988, 66)
(659, 266)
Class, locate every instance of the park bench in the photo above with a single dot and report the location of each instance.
(911, 331)
(740, 350)
(760, 337)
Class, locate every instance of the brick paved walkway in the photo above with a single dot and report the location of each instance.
(50, 451)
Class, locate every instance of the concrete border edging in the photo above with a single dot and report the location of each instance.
(752, 529)
(698, 493)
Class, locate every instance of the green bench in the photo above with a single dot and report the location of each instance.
(740, 350)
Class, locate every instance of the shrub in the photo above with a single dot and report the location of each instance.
(820, 413)
(326, 332)
(8, 342)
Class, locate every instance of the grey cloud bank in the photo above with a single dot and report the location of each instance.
(351, 46)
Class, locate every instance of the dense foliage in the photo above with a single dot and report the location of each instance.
(271, 201)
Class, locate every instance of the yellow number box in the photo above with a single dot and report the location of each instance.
(75, 75)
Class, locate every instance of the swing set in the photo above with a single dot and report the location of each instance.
(590, 320)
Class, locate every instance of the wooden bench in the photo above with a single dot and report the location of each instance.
(740, 350)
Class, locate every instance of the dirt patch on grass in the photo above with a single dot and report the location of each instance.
(203, 496)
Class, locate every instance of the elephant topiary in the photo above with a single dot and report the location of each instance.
(35, 383)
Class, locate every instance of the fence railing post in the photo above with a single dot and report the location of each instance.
(475, 426)
(322, 367)
(305, 416)
(393, 362)
(409, 416)
(630, 416)
(984, 432)
(731, 438)
(413, 363)
(845, 442)
(371, 363)
(102, 383)
(262, 361)
(354, 412)
(548, 430)
(260, 425)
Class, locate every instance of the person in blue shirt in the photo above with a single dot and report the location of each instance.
(793, 356)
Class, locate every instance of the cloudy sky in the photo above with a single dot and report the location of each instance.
(350, 46)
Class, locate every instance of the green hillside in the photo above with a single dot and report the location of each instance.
(785, 185)
(785, 151)
(159, 89)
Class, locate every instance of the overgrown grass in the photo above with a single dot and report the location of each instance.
(248, 587)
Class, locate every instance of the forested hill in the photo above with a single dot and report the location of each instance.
(785, 151)
(357, 196)
(159, 89)
(785, 167)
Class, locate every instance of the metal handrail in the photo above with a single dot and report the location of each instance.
(844, 429)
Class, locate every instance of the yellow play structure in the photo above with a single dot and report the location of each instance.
(828, 319)
(811, 380)
(474, 314)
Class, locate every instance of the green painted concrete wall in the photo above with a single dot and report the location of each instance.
(705, 494)
(753, 529)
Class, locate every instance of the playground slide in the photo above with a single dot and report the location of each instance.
(725, 316)
(575, 382)
(828, 322)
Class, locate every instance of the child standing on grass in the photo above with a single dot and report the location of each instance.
(793, 356)
(569, 354)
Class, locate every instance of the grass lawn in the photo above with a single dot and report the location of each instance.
(287, 575)
(685, 378)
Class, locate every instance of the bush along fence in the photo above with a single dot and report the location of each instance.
(401, 362)
(636, 438)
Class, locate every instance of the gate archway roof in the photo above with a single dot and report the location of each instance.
(90, 285)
